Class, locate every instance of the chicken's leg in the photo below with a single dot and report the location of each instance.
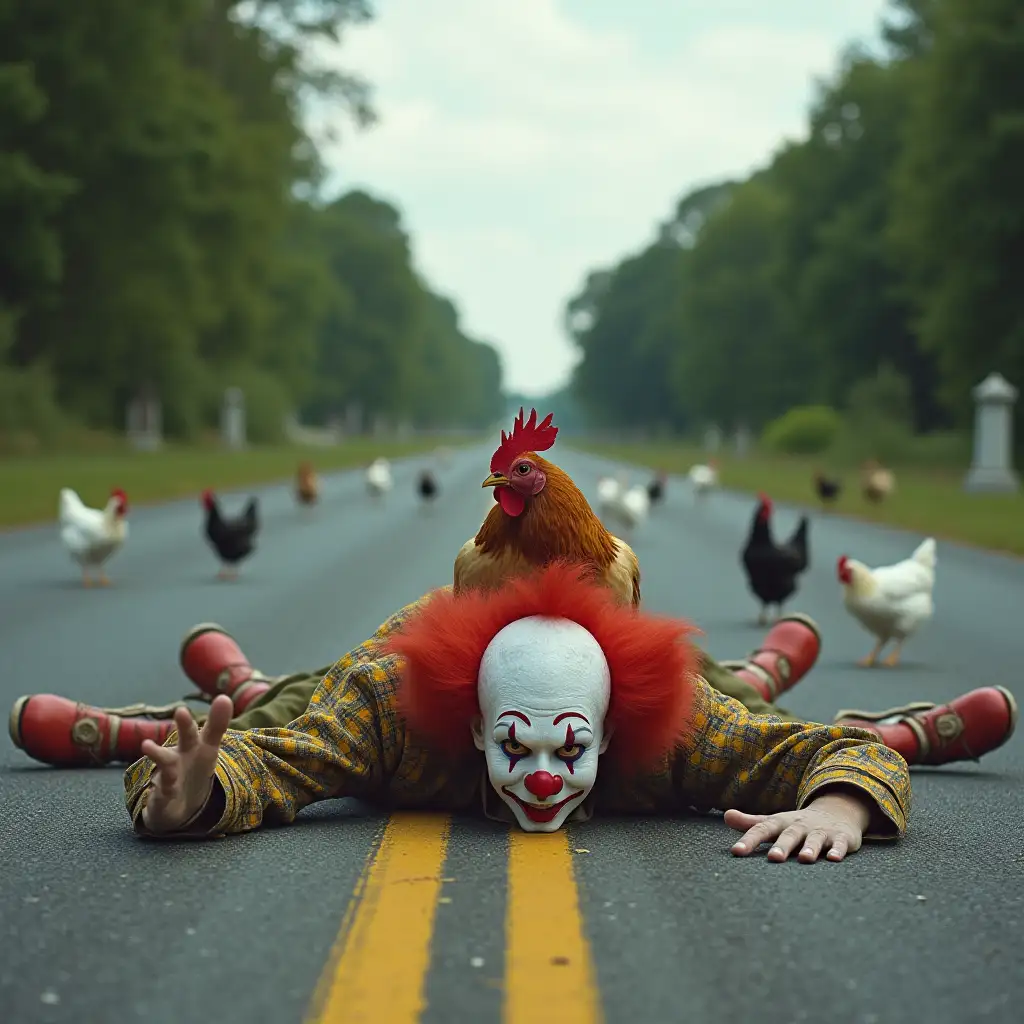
(894, 658)
(872, 659)
(86, 578)
(104, 580)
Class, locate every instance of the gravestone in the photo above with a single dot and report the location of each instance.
(353, 419)
(992, 464)
(742, 441)
(144, 422)
(232, 419)
(713, 439)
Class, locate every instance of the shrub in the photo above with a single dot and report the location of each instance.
(29, 414)
(885, 396)
(805, 430)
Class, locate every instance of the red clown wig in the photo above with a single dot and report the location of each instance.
(651, 661)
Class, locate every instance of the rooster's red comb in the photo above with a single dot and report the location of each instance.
(530, 436)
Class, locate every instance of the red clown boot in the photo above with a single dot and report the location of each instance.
(212, 659)
(61, 732)
(962, 730)
(788, 653)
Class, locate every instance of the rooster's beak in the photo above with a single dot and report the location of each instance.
(495, 480)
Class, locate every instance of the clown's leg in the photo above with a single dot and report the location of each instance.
(788, 653)
(931, 734)
(62, 732)
(213, 660)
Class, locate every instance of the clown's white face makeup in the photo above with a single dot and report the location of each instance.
(544, 688)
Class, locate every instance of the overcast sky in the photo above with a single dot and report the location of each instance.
(529, 141)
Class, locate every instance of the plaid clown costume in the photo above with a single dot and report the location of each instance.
(354, 741)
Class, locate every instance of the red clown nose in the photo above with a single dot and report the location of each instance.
(543, 784)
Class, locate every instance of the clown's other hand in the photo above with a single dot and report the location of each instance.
(834, 822)
(182, 780)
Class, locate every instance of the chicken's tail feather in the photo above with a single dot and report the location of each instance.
(70, 503)
(925, 553)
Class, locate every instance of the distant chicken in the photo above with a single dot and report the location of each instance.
(656, 488)
(540, 516)
(892, 601)
(630, 508)
(703, 479)
(426, 486)
(609, 493)
(90, 535)
(307, 486)
(233, 539)
(827, 488)
(877, 483)
(378, 478)
(772, 570)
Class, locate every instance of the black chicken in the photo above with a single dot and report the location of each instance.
(656, 488)
(427, 486)
(828, 489)
(233, 539)
(772, 569)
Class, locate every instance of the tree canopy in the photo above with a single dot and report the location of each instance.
(165, 230)
(887, 240)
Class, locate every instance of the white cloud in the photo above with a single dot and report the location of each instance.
(525, 146)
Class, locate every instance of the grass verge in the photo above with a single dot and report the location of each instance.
(29, 484)
(928, 502)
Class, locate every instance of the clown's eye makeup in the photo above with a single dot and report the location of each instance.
(512, 748)
(570, 754)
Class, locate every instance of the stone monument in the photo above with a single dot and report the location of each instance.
(743, 440)
(713, 439)
(144, 422)
(992, 463)
(232, 419)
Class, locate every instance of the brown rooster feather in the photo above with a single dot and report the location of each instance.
(540, 516)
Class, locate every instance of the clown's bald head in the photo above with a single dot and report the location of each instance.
(544, 688)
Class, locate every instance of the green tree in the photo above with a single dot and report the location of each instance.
(959, 222)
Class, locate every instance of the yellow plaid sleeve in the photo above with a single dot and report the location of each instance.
(349, 743)
(762, 765)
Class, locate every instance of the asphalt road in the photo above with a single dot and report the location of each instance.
(96, 925)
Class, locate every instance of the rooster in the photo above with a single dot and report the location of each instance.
(540, 516)
(609, 493)
(426, 486)
(877, 483)
(772, 569)
(307, 487)
(827, 489)
(656, 488)
(892, 601)
(378, 477)
(703, 479)
(90, 535)
(233, 539)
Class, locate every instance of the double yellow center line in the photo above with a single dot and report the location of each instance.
(377, 970)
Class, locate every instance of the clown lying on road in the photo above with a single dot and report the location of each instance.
(505, 703)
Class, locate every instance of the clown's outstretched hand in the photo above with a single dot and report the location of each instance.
(181, 783)
(834, 821)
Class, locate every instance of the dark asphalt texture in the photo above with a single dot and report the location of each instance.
(99, 926)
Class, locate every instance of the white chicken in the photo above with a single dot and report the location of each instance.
(703, 479)
(620, 506)
(892, 601)
(378, 477)
(91, 535)
(635, 504)
(609, 491)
